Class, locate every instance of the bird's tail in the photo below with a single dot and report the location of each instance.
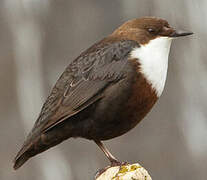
(30, 148)
(19, 161)
(23, 155)
(37, 143)
(33, 148)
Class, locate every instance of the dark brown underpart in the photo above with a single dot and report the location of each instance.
(140, 102)
(143, 96)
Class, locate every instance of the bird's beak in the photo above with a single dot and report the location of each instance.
(178, 33)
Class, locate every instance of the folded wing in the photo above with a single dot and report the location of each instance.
(82, 84)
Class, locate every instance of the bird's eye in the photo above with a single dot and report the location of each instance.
(150, 30)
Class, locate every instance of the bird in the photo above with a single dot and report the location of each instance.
(107, 90)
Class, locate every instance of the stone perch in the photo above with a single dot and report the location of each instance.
(124, 172)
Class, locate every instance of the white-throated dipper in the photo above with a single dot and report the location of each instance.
(107, 90)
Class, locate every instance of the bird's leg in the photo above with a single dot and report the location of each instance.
(112, 159)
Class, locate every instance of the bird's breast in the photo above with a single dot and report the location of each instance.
(142, 97)
(153, 60)
(124, 105)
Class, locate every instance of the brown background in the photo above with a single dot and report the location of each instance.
(38, 38)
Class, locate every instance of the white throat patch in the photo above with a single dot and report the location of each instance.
(153, 59)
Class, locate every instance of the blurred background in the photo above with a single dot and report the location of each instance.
(38, 39)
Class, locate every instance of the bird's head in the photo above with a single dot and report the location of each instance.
(148, 28)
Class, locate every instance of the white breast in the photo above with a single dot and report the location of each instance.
(153, 58)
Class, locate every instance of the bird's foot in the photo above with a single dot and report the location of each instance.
(118, 163)
(100, 171)
(113, 164)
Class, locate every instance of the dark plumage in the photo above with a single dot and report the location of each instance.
(101, 94)
(78, 93)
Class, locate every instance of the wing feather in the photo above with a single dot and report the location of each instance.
(83, 81)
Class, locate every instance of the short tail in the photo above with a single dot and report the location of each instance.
(25, 153)
(18, 162)
(33, 148)
(39, 143)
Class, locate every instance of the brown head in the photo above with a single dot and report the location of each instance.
(147, 28)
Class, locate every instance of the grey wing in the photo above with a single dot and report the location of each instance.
(83, 81)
